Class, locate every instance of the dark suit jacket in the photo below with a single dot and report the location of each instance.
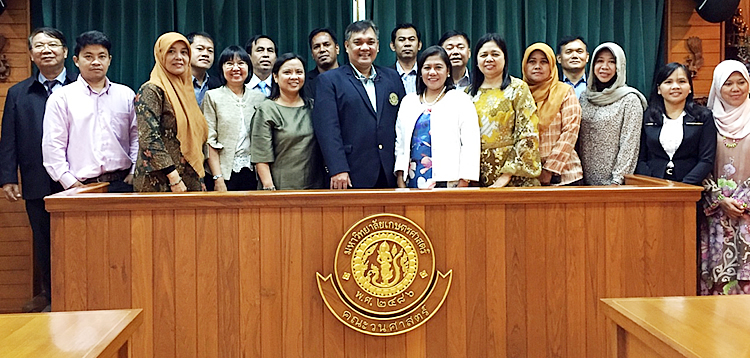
(21, 138)
(694, 158)
(352, 136)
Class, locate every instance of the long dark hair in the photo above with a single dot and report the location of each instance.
(431, 51)
(280, 61)
(477, 77)
(656, 110)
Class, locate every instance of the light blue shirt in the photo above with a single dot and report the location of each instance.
(369, 83)
(409, 78)
(60, 80)
(577, 87)
(254, 84)
(200, 90)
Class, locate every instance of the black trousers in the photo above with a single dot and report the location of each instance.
(244, 180)
(40, 222)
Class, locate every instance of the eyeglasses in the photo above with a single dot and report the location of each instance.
(39, 46)
(240, 64)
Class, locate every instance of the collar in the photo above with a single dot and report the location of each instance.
(205, 81)
(583, 79)
(466, 75)
(60, 78)
(401, 71)
(362, 77)
(255, 80)
(107, 86)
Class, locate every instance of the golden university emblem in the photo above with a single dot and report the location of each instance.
(385, 278)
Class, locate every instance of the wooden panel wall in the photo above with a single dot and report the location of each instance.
(682, 23)
(234, 275)
(16, 261)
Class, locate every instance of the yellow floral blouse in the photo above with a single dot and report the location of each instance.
(510, 134)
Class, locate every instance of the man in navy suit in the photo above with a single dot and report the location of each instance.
(355, 114)
(21, 145)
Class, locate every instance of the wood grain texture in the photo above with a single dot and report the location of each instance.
(239, 280)
(694, 327)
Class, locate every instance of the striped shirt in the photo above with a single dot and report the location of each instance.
(557, 141)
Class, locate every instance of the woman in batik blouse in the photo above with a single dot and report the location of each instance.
(507, 119)
(172, 131)
(725, 236)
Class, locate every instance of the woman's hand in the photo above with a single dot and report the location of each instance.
(462, 183)
(545, 177)
(400, 183)
(176, 185)
(502, 181)
(178, 188)
(733, 208)
(220, 185)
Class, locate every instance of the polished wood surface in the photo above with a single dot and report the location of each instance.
(693, 327)
(233, 274)
(90, 334)
(16, 257)
(684, 22)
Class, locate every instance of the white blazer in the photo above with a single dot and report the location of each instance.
(454, 128)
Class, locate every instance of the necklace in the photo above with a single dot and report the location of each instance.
(430, 104)
(733, 144)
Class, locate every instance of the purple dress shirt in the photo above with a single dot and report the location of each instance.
(87, 134)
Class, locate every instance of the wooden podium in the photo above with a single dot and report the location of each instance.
(234, 274)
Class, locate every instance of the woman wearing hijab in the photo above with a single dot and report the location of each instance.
(611, 116)
(507, 119)
(171, 128)
(725, 248)
(678, 138)
(559, 117)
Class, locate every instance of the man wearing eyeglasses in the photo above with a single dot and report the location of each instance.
(21, 147)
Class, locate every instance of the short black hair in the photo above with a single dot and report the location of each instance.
(477, 77)
(229, 54)
(452, 33)
(319, 30)
(568, 39)
(49, 31)
(431, 51)
(249, 44)
(92, 38)
(405, 26)
(191, 36)
(275, 91)
(361, 26)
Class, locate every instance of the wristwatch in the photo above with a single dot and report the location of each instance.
(218, 176)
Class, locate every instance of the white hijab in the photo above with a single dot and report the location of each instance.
(731, 122)
(618, 89)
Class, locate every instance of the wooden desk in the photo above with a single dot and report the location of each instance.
(234, 274)
(694, 327)
(85, 334)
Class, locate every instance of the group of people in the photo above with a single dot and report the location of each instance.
(431, 120)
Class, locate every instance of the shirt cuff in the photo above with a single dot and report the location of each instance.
(67, 180)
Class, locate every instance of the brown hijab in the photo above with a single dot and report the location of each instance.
(550, 93)
(192, 129)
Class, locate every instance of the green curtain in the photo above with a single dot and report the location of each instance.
(636, 25)
(133, 26)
